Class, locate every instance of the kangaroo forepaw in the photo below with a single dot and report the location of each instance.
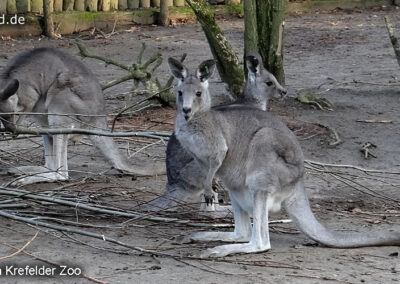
(209, 198)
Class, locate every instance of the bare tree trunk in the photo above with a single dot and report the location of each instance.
(250, 27)
(163, 19)
(69, 5)
(270, 25)
(227, 61)
(48, 18)
(58, 6)
(12, 7)
(91, 5)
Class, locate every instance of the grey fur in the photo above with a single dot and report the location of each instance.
(261, 163)
(185, 176)
(47, 80)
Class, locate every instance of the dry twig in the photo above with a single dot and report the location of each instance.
(20, 249)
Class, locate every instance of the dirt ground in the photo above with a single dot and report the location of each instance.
(345, 57)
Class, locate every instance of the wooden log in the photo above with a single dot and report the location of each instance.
(105, 5)
(145, 3)
(133, 4)
(69, 5)
(58, 6)
(113, 5)
(12, 7)
(23, 6)
(79, 5)
(3, 8)
(163, 19)
(48, 9)
(179, 3)
(37, 6)
(155, 3)
(122, 5)
(91, 5)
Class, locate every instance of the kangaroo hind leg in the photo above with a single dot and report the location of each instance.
(241, 233)
(259, 240)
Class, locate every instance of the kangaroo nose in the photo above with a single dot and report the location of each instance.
(186, 109)
(284, 92)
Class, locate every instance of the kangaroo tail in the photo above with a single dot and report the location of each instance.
(110, 151)
(298, 208)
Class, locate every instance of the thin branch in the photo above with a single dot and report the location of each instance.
(131, 76)
(20, 249)
(55, 131)
(84, 53)
(351, 167)
(140, 55)
(135, 104)
(26, 195)
(80, 232)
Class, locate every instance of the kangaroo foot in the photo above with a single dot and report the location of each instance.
(221, 251)
(39, 177)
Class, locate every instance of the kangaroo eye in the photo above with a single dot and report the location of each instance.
(180, 93)
(269, 83)
(198, 94)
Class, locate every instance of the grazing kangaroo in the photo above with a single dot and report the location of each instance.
(185, 175)
(47, 80)
(261, 163)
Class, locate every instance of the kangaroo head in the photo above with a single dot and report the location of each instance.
(261, 84)
(8, 102)
(192, 94)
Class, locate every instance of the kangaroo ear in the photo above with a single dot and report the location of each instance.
(253, 63)
(177, 69)
(8, 88)
(205, 70)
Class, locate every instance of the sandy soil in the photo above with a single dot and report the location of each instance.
(325, 54)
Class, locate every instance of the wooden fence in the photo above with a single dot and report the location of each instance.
(36, 6)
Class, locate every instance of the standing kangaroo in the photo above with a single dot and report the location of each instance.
(185, 175)
(261, 163)
(47, 80)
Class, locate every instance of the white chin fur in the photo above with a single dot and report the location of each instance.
(204, 84)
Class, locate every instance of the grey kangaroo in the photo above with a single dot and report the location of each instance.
(185, 175)
(47, 80)
(261, 163)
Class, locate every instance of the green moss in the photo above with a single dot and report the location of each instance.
(144, 13)
(80, 16)
(181, 10)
